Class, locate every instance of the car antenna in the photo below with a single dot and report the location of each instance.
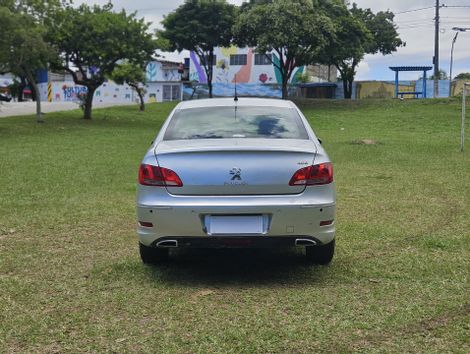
(236, 96)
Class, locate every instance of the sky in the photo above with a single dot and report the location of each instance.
(415, 26)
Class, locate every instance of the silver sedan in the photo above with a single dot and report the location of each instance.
(236, 173)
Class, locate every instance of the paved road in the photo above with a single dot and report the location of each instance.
(8, 109)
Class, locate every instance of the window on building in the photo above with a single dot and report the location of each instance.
(238, 59)
(214, 59)
(171, 93)
(263, 59)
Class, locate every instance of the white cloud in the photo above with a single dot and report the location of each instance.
(363, 70)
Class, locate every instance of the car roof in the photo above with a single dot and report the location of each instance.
(229, 102)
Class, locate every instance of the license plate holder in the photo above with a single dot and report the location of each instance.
(243, 225)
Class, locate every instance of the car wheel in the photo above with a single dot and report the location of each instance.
(151, 255)
(320, 254)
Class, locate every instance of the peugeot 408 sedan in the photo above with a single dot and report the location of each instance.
(230, 172)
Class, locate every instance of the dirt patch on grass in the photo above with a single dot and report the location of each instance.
(365, 142)
(423, 327)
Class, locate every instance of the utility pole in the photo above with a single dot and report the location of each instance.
(436, 51)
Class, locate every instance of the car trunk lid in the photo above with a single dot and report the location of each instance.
(235, 166)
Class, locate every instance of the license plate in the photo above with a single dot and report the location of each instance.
(234, 225)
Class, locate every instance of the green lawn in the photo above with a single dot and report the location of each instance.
(71, 279)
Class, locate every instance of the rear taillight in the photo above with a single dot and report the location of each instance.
(313, 175)
(158, 176)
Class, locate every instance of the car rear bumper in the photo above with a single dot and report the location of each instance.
(235, 242)
(286, 223)
(289, 216)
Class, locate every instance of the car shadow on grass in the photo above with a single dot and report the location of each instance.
(235, 267)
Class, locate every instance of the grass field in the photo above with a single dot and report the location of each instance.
(71, 279)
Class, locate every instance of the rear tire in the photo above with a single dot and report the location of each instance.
(151, 255)
(320, 254)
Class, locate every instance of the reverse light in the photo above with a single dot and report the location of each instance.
(313, 175)
(158, 176)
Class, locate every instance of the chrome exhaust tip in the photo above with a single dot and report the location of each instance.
(167, 243)
(304, 242)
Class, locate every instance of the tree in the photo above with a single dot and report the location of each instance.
(358, 32)
(134, 76)
(92, 40)
(462, 76)
(295, 31)
(23, 50)
(249, 4)
(200, 26)
(442, 75)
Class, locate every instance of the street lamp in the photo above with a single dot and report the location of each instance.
(457, 31)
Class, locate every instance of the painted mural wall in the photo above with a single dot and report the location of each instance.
(68, 91)
(110, 92)
(163, 84)
(252, 80)
(158, 71)
(224, 73)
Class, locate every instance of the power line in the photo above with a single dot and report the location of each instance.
(432, 7)
(456, 6)
(414, 10)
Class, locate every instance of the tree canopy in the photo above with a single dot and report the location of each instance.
(23, 48)
(358, 32)
(295, 30)
(462, 76)
(442, 75)
(92, 40)
(200, 26)
(132, 74)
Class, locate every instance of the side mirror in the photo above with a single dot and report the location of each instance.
(319, 140)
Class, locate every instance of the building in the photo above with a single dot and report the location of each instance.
(163, 84)
(164, 81)
(256, 75)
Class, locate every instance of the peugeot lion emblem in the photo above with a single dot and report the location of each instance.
(236, 174)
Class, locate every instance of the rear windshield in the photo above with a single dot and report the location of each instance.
(239, 122)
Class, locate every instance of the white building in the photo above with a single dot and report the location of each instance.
(164, 81)
(163, 84)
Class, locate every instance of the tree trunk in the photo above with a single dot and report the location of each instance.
(210, 72)
(346, 87)
(285, 92)
(39, 117)
(88, 102)
(37, 94)
(209, 86)
(140, 93)
(141, 98)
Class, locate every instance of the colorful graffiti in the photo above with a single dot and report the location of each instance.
(277, 72)
(71, 93)
(254, 71)
(151, 71)
(228, 51)
(201, 75)
(243, 75)
(222, 74)
(298, 74)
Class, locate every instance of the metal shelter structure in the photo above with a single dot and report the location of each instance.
(397, 70)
